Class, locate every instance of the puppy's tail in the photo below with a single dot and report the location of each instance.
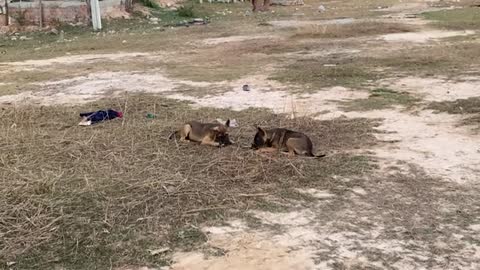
(173, 134)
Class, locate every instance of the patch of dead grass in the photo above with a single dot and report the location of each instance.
(326, 72)
(381, 98)
(451, 60)
(469, 107)
(102, 196)
(409, 218)
(13, 89)
(438, 205)
(366, 28)
(459, 106)
(456, 19)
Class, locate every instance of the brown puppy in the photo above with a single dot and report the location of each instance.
(214, 134)
(285, 140)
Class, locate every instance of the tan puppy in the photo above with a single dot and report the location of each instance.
(285, 140)
(214, 134)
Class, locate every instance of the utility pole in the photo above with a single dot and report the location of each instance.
(40, 9)
(96, 15)
(6, 13)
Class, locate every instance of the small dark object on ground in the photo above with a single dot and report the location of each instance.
(190, 22)
(246, 87)
(265, 24)
(91, 118)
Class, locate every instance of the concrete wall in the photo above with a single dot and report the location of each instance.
(57, 11)
(107, 6)
(53, 11)
(3, 19)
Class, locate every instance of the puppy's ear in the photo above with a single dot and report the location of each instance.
(227, 124)
(261, 131)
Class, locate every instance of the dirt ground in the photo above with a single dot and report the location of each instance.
(415, 205)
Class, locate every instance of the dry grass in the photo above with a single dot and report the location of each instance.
(459, 106)
(452, 60)
(422, 211)
(469, 107)
(409, 213)
(101, 196)
(366, 28)
(456, 19)
(381, 98)
(12, 89)
(325, 72)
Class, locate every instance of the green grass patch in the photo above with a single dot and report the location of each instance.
(456, 19)
(186, 11)
(116, 35)
(381, 98)
(150, 4)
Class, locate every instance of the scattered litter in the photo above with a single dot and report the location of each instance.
(91, 118)
(329, 65)
(287, 3)
(151, 115)
(158, 251)
(233, 122)
(154, 20)
(265, 24)
(10, 263)
(321, 8)
(76, 24)
(197, 21)
(410, 16)
(246, 87)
